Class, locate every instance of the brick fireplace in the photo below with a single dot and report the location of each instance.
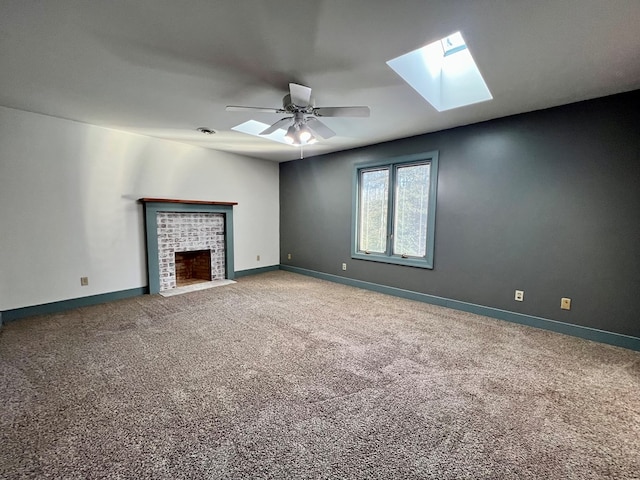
(188, 232)
(187, 242)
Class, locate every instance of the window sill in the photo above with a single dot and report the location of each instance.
(396, 260)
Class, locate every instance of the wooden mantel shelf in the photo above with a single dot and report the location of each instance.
(190, 202)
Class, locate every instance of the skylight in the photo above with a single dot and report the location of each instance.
(444, 73)
(253, 127)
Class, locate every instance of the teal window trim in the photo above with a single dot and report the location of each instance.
(151, 210)
(392, 164)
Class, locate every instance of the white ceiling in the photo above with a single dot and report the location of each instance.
(164, 67)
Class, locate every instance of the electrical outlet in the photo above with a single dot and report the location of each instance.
(344, 266)
(84, 281)
(258, 258)
(288, 256)
(519, 295)
(565, 303)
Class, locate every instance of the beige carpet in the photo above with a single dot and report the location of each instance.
(288, 377)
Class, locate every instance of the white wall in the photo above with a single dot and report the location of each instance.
(68, 205)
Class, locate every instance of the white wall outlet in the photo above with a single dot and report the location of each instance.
(84, 281)
(344, 266)
(258, 258)
(565, 303)
(519, 295)
(288, 256)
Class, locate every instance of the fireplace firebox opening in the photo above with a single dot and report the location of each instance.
(192, 267)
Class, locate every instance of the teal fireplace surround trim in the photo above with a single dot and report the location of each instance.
(151, 209)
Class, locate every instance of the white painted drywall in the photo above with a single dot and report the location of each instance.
(68, 205)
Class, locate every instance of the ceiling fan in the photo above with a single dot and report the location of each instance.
(303, 126)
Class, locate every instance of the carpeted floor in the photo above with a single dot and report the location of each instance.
(288, 377)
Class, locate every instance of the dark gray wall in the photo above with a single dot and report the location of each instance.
(546, 202)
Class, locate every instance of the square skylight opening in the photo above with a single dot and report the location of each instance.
(444, 73)
(253, 127)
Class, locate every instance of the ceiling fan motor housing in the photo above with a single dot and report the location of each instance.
(289, 106)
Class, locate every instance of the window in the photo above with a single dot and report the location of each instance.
(394, 210)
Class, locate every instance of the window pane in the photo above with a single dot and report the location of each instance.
(411, 210)
(374, 195)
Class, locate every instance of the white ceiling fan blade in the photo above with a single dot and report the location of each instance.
(342, 111)
(319, 129)
(300, 95)
(279, 124)
(240, 108)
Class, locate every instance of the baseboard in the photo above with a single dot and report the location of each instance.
(55, 307)
(602, 336)
(254, 271)
(611, 338)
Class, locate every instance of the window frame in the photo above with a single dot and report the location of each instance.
(392, 164)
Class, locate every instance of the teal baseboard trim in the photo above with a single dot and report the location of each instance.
(255, 271)
(588, 333)
(61, 306)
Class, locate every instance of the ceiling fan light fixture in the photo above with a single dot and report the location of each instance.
(304, 134)
(290, 136)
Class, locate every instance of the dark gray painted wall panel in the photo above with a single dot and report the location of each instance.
(546, 202)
